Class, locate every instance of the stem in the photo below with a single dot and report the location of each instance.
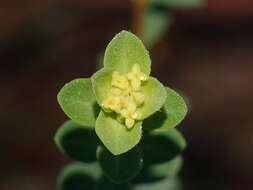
(138, 11)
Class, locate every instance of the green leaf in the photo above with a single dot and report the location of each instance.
(78, 176)
(173, 112)
(101, 83)
(77, 100)
(121, 168)
(179, 4)
(155, 96)
(124, 51)
(171, 143)
(77, 142)
(166, 169)
(115, 136)
(155, 25)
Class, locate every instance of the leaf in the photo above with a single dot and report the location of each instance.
(77, 100)
(155, 96)
(121, 168)
(77, 142)
(101, 83)
(78, 176)
(155, 25)
(166, 169)
(162, 146)
(173, 112)
(179, 4)
(115, 136)
(124, 51)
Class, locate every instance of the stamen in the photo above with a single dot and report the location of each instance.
(125, 97)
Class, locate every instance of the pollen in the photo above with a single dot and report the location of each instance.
(125, 96)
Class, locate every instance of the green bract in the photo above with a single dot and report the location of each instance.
(124, 51)
(77, 100)
(173, 112)
(117, 100)
(115, 135)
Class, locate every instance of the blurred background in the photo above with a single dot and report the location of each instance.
(204, 50)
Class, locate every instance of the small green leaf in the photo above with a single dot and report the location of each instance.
(166, 169)
(121, 168)
(173, 112)
(171, 143)
(77, 100)
(155, 96)
(124, 51)
(77, 142)
(101, 83)
(115, 136)
(155, 25)
(78, 176)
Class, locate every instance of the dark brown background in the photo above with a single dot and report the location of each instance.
(207, 56)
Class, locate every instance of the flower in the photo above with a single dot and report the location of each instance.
(130, 99)
(125, 95)
(123, 88)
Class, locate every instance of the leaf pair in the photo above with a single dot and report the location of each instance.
(81, 176)
(80, 98)
(81, 144)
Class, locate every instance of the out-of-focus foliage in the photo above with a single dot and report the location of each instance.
(158, 17)
(178, 4)
(155, 25)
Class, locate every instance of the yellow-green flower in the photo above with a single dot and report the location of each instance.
(121, 97)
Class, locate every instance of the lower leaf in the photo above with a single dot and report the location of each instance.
(78, 176)
(115, 136)
(121, 168)
(77, 142)
(162, 146)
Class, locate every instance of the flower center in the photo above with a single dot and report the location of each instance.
(125, 95)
